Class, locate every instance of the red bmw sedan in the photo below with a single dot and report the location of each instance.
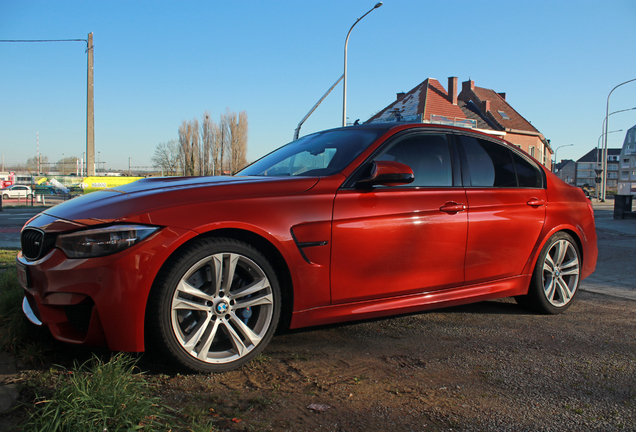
(346, 224)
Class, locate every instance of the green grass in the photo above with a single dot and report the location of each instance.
(94, 396)
(17, 336)
(7, 259)
(7, 256)
(99, 396)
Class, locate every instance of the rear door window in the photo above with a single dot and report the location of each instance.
(488, 164)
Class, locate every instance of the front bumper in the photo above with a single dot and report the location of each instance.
(97, 301)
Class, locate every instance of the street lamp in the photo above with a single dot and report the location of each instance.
(598, 170)
(555, 155)
(605, 131)
(344, 86)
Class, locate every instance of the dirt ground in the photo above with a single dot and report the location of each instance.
(490, 366)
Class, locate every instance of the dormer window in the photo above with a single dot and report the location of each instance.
(503, 115)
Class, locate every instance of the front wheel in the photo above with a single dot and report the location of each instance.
(556, 276)
(216, 306)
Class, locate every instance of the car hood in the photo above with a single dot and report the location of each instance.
(152, 194)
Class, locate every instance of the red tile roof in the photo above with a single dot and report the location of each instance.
(426, 99)
(497, 103)
(438, 103)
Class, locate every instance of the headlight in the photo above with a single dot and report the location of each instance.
(99, 242)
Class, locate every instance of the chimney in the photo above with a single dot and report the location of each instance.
(468, 86)
(452, 90)
(503, 95)
(486, 106)
(400, 96)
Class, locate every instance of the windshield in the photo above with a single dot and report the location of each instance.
(320, 154)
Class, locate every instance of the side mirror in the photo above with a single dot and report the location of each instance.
(387, 173)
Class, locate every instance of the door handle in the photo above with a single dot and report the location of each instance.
(452, 207)
(535, 202)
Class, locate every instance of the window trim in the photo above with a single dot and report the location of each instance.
(350, 183)
(511, 147)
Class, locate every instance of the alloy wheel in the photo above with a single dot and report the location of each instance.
(561, 273)
(222, 308)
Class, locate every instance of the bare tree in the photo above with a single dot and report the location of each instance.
(167, 157)
(213, 149)
(239, 143)
(189, 146)
(234, 129)
(67, 165)
(231, 126)
(32, 163)
(224, 142)
(209, 147)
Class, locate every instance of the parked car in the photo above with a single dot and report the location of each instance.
(45, 190)
(347, 224)
(17, 191)
(586, 192)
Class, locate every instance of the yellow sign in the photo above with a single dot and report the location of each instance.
(92, 184)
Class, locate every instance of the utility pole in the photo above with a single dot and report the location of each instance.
(90, 112)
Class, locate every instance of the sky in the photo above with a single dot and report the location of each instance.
(158, 63)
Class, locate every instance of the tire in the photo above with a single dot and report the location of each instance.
(200, 321)
(556, 276)
(5, 196)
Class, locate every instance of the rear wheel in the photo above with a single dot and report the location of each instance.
(556, 276)
(216, 306)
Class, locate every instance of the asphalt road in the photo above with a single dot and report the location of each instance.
(16, 218)
(11, 222)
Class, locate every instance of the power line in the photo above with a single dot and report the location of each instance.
(43, 40)
(90, 113)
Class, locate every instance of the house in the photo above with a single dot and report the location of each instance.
(474, 107)
(566, 171)
(587, 165)
(519, 131)
(627, 162)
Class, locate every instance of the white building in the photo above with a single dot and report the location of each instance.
(627, 164)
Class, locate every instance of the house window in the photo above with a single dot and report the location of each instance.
(626, 163)
(612, 175)
(613, 158)
(624, 175)
(503, 115)
(612, 167)
(531, 150)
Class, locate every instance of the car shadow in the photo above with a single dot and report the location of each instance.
(505, 306)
